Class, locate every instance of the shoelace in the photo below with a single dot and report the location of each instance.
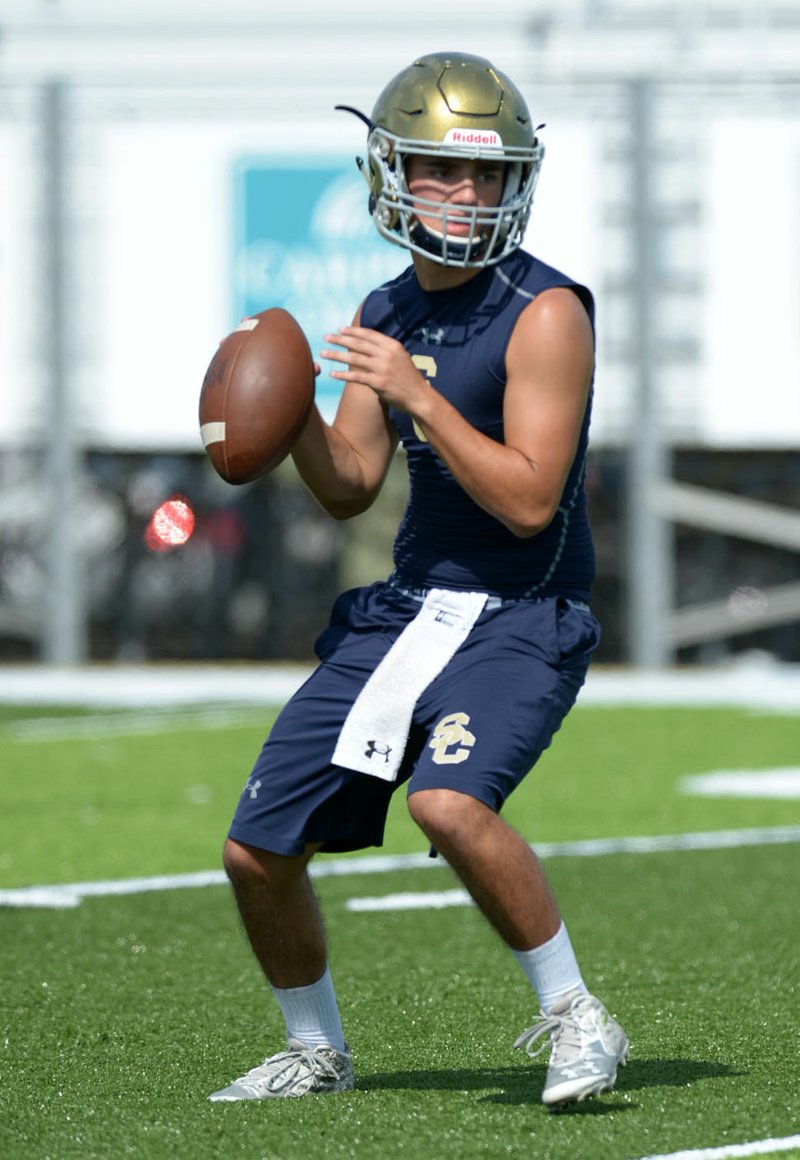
(284, 1068)
(563, 1032)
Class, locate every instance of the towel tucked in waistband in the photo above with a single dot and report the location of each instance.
(374, 735)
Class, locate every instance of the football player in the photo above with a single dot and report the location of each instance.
(451, 676)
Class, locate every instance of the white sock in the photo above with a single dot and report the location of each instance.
(552, 969)
(312, 1013)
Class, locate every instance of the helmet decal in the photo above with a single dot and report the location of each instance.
(485, 137)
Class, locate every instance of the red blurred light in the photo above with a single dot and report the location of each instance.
(171, 525)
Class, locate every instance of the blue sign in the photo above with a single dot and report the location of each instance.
(304, 240)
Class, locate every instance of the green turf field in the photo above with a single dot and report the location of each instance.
(121, 1013)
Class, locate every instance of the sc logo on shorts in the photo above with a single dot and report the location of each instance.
(451, 741)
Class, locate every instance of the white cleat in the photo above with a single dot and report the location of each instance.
(586, 1047)
(299, 1071)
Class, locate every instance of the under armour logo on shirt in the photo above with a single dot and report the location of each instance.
(434, 336)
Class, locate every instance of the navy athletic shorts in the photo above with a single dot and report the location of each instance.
(478, 728)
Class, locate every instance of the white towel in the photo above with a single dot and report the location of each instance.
(374, 735)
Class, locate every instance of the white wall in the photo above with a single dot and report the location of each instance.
(155, 280)
(750, 381)
(151, 232)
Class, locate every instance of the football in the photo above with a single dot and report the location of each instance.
(256, 395)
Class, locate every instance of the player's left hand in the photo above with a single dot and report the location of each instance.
(380, 363)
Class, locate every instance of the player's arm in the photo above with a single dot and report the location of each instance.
(549, 365)
(345, 463)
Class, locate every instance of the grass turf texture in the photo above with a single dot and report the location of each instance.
(121, 803)
(120, 1016)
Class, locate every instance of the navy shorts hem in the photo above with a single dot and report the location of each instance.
(273, 844)
(487, 794)
(295, 848)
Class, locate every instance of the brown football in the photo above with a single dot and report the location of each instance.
(256, 395)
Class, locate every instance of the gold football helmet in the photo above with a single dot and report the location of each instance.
(451, 105)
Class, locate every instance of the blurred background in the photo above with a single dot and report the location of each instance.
(167, 167)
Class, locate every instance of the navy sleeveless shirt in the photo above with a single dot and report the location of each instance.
(458, 339)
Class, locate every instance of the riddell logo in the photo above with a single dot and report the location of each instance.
(474, 137)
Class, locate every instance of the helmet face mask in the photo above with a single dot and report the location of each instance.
(452, 106)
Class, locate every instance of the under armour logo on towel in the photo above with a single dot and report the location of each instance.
(374, 747)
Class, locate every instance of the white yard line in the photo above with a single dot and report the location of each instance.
(592, 848)
(781, 784)
(410, 900)
(65, 895)
(731, 1151)
(132, 723)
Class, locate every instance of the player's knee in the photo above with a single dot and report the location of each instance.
(239, 863)
(249, 868)
(442, 814)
